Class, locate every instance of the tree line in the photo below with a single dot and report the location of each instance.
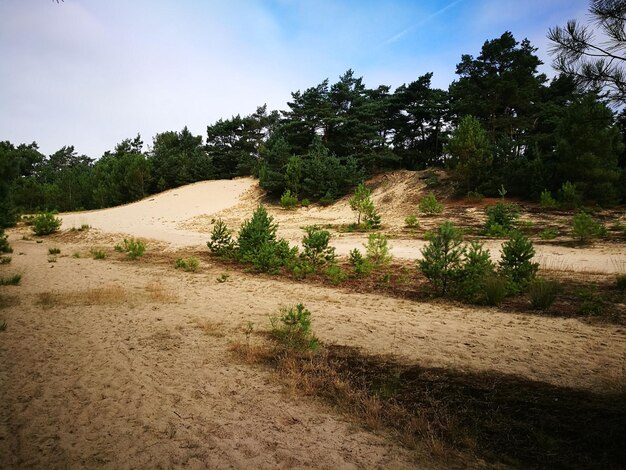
(500, 123)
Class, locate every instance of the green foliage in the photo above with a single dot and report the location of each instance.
(361, 202)
(543, 293)
(516, 261)
(4, 244)
(221, 242)
(377, 250)
(476, 269)
(335, 274)
(292, 328)
(134, 248)
(496, 289)
(360, 264)
(590, 302)
(188, 264)
(442, 258)
(98, 253)
(256, 232)
(471, 154)
(501, 219)
(45, 223)
(620, 282)
(429, 205)
(317, 252)
(11, 281)
(327, 199)
(54, 251)
(568, 196)
(305, 202)
(271, 256)
(411, 221)
(585, 228)
(288, 200)
(222, 278)
(549, 233)
(546, 201)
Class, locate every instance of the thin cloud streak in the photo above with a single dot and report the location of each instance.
(393, 39)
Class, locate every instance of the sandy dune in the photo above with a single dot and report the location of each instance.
(182, 217)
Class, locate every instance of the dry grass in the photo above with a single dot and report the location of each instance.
(211, 328)
(457, 418)
(8, 300)
(157, 292)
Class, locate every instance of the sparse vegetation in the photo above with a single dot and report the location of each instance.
(288, 200)
(411, 222)
(4, 244)
(96, 253)
(5, 259)
(501, 219)
(292, 328)
(543, 293)
(335, 274)
(377, 250)
(316, 249)
(190, 264)
(134, 248)
(11, 280)
(549, 233)
(516, 261)
(620, 282)
(223, 278)
(221, 242)
(546, 201)
(585, 228)
(361, 202)
(45, 223)
(54, 251)
(442, 258)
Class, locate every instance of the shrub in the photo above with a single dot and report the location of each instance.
(546, 201)
(4, 244)
(255, 233)
(501, 218)
(585, 228)
(327, 199)
(11, 281)
(429, 205)
(411, 222)
(377, 250)
(335, 274)
(273, 255)
(590, 302)
(516, 261)
(54, 251)
(288, 200)
(221, 242)
(222, 278)
(96, 253)
(495, 290)
(543, 292)
(301, 268)
(477, 267)
(360, 264)
(187, 264)
(45, 223)
(474, 197)
(305, 202)
(134, 248)
(292, 328)
(620, 282)
(568, 196)
(549, 233)
(361, 202)
(5, 259)
(316, 249)
(442, 257)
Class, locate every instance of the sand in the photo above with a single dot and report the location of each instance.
(113, 371)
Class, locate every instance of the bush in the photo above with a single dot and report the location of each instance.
(620, 282)
(543, 293)
(134, 248)
(360, 264)
(477, 267)
(361, 202)
(11, 281)
(442, 257)
(429, 205)
(45, 223)
(288, 200)
(5, 260)
(501, 218)
(495, 290)
(97, 253)
(256, 233)
(585, 228)
(316, 249)
(516, 261)
(546, 201)
(221, 242)
(335, 274)
(568, 196)
(305, 202)
(271, 256)
(327, 200)
(4, 244)
(549, 233)
(54, 251)
(474, 197)
(292, 328)
(411, 222)
(188, 264)
(377, 250)
(301, 268)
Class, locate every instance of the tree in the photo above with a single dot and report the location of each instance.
(595, 63)
(471, 154)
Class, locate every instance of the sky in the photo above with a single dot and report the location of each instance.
(91, 73)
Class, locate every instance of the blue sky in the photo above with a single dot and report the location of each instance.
(91, 73)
